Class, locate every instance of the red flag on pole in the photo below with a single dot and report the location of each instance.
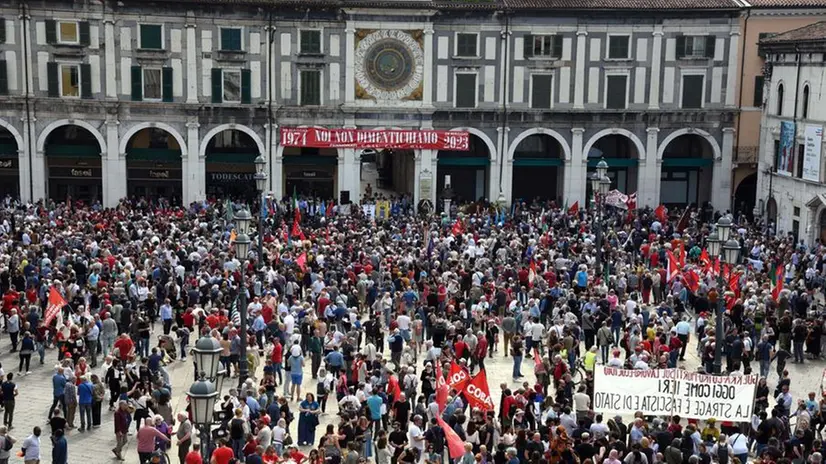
(681, 256)
(532, 273)
(683, 222)
(574, 209)
(302, 262)
(631, 203)
(454, 444)
(478, 393)
(441, 387)
(54, 307)
(705, 261)
(673, 267)
(777, 280)
(393, 388)
(458, 376)
(692, 280)
(659, 213)
(457, 228)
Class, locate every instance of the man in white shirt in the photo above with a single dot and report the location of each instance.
(32, 446)
(415, 436)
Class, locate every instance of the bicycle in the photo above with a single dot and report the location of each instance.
(578, 373)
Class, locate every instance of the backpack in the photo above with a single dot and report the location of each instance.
(7, 444)
(722, 454)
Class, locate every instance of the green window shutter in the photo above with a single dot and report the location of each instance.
(557, 46)
(83, 32)
(759, 82)
(246, 86)
(85, 81)
(51, 31)
(680, 49)
(4, 78)
(51, 72)
(137, 83)
(711, 42)
(151, 36)
(166, 84)
(2, 30)
(231, 39)
(217, 85)
(527, 47)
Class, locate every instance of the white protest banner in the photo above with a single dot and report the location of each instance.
(616, 199)
(669, 392)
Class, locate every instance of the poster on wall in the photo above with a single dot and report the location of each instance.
(785, 159)
(669, 392)
(811, 155)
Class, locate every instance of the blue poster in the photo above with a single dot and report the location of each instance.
(785, 159)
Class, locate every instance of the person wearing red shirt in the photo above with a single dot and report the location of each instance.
(323, 302)
(188, 318)
(193, 457)
(212, 320)
(459, 348)
(10, 299)
(223, 454)
(275, 357)
(523, 276)
(124, 346)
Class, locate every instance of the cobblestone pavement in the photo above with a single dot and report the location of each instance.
(95, 447)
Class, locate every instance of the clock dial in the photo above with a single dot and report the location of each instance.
(388, 65)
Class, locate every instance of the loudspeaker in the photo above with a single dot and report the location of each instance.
(344, 197)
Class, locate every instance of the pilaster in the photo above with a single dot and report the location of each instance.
(733, 50)
(721, 177)
(194, 179)
(650, 171)
(575, 170)
(113, 166)
(110, 58)
(349, 67)
(656, 64)
(579, 83)
(191, 64)
(427, 83)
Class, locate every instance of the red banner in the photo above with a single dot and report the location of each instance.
(360, 138)
(478, 393)
(457, 377)
(55, 305)
(441, 387)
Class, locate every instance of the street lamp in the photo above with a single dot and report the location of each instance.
(602, 168)
(727, 251)
(261, 185)
(204, 392)
(242, 248)
(447, 196)
(243, 219)
(600, 184)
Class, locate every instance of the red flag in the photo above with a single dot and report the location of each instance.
(692, 280)
(659, 213)
(574, 209)
(537, 359)
(454, 443)
(673, 267)
(532, 273)
(441, 388)
(716, 267)
(734, 283)
(329, 211)
(705, 261)
(458, 376)
(730, 300)
(778, 281)
(302, 262)
(683, 222)
(296, 231)
(457, 228)
(478, 393)
(393, 388)
(55, 305)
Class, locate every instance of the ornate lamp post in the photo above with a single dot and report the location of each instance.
(727, 250)
(260, 185)
(242, 248)
(600, 185)
(206, 389)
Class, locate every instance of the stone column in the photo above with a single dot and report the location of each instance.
(496, 179)
(649, 172)
(191, 65)
(575, 170)
(656, 64)
(114, 167)
(39, 174)
(733, 50)
(349, 66)
(579, 84)
(194, 179)
(111, 63)
(721, 177)
(427, 77)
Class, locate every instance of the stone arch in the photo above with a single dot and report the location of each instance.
(715, 147)
(14, 133)
(614, 131)
(566, 149)
(239, 127)
(44, 134)
(124, 141)
(484, 137)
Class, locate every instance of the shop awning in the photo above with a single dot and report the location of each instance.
(153, 154)
(470, 161)
(8, 149)
(239, 158)
(72, 151)
(614, 162)
(314, 160)
(538, 162)
(686, 162)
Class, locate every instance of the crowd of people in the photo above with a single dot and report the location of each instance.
(358, 316)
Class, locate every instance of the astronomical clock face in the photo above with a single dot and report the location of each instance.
(389, 65)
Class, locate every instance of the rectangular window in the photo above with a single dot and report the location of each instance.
(151, 36)
(693, 91)
(776, 155)
(232, 86)
(796, 211)
(696, 46)
(310, 42)
(466, 44)
(543, 46)
(541, 90)
(758, 91)
(466, 90)
(801, 152)
(68, 33)
(231, 39)
(618, 47)
(615, 90)
(152, 84)
(70, 80)
(310, 88)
